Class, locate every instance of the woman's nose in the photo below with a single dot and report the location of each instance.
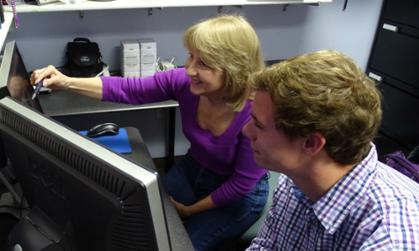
(190, 69)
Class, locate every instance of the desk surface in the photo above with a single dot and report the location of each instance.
(81, 112)
(64, 103)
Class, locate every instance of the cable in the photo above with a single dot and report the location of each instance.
(344, 5)
(12, 191)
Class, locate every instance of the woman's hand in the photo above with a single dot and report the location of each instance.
(187, 211)
(183, 211)
(55, 80)
(52, 77)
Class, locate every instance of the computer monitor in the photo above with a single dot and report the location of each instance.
(15, 82)
(14, 78)
(82, 196)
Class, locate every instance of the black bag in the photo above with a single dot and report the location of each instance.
(83, 58)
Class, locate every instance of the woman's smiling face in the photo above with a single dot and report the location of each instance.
(205, 80)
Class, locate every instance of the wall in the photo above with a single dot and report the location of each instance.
(297, 29)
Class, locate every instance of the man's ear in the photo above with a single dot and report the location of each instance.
(314, 143)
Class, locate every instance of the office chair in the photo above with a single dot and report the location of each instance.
(414, 155)
(251, 233)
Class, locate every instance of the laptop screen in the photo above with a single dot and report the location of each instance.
(14, 79)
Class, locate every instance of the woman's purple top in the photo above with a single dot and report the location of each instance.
(229, 154)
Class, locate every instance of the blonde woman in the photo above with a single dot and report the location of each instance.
(217, 188)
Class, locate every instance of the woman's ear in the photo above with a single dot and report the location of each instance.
(252, 94)
(314, 143)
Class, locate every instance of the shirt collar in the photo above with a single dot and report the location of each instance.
(333, 207)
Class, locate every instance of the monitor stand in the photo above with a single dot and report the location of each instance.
(36, 232)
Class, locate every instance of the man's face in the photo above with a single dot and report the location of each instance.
(272, 149)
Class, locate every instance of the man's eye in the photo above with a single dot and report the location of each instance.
(258, 126)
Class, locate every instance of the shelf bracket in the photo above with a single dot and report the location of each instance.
(150, 10)
(220, 8)
(81, 14)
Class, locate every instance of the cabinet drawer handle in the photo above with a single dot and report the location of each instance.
(375, 76)
(390, 27)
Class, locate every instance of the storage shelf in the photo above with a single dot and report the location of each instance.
(132, 4)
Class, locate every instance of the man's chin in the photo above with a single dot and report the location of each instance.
(258, 159)
(260, 162)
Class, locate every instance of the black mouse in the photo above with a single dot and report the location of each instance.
(105, 129)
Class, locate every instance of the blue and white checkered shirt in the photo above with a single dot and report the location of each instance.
(374, 207)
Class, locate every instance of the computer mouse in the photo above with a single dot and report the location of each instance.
(105, 129)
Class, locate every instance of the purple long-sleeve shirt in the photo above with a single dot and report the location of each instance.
(229, 154)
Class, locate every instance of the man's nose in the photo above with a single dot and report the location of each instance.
(247, 130)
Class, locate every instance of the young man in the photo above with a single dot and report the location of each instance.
(314, 119)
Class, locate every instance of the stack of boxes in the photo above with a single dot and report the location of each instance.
(148, 52)
(138, 57)
(130, 58)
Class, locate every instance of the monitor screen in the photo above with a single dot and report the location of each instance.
(14, 78)
(81, 195)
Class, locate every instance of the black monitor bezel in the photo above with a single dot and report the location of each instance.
(146, 178)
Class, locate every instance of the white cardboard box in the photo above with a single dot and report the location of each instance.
(147, 73)
(130, 58)
(148, 56)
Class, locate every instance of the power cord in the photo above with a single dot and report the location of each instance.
(6, 183)
(345, 4)
(164, 65)
(104, 72)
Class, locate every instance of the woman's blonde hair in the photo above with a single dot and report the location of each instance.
(325, 92)
(230, 44)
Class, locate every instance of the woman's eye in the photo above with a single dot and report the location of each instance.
(204, 65)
